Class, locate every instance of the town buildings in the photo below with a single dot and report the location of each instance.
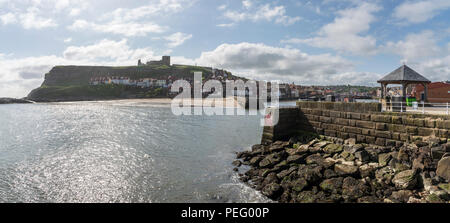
(438, 92)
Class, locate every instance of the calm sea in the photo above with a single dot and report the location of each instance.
(121, 152)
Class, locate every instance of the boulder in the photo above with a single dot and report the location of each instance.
(351, 141)
(333, 148)
(368, 170)
(255, 160)
(333, 185)
(445, 187)
(385, 174)
(329, 173)
(443, 168)
(403, 155)
(242, 155)
(321, 144)
(347, 156)
(311, 173)
(269, 179)
(369, 199)
(272, 190)
(306, 197)
(299, 184)
(294, 159)
(434, 198)
(345, 170)
(362, 155)
(353, 189)
(314, 159)
(237, 163)
(287, 172)
(437, 152)
(405, 180)
(270, 160)
(401, 195)
(384, 158)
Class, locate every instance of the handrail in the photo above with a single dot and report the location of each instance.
(423, 107)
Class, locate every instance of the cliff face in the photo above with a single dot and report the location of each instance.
(81, 75)
(71, 83)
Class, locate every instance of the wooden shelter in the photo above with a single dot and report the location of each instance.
(405, 76)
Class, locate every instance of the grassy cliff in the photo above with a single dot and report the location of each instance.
(71, 83)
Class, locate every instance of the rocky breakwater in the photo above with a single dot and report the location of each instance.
(14, 101)
(328, 169)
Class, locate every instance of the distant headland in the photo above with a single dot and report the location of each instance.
(150, 80)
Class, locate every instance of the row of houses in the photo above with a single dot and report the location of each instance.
(143, 82)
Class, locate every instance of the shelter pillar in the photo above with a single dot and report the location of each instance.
(425, 92)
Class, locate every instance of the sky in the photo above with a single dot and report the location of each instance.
(320, 42)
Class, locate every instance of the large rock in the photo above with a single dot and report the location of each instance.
(312, 173)
(443, 168)
(299, 184)
(385, 174)
(345, 170)
(306, 197)
(353, 189)
(287, 172)
(272, 190)
(368, 170)
(362, 155)
(438, 152)
(401, 195)
(270, 160)
(384, 158)
(333, 148)
(333, 185)
(255, 160)
(295, 158)
(405, 180)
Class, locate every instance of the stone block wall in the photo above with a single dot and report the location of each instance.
(362, 121)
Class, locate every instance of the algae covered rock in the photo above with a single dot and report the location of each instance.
(333, 185)
(343, 169)
(272, 190)
(443, 168)
(405, 180)
(333, 148)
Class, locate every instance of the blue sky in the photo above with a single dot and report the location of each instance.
(306, 42)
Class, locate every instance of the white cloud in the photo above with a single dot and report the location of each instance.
(128, 29)
(20, 75)
(135, 21)
(264, 12)
(435, 69)
(423, 53)
(8, 18)
(260, 61)
(67, 40)
(177, 39)
(415, 46)
(31, 20)
(247, 4)
(38, 14)
(225, 25)
(108, 50)
(420, 11)
(344, 34)
(222, 7)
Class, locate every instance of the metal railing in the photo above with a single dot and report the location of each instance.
(417, 107)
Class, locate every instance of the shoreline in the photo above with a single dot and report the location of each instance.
(159, 101)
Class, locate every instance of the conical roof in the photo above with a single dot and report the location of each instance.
(403, 74)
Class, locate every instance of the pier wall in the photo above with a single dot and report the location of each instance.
(362, 121)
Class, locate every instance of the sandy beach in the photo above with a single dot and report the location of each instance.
(228, 102)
